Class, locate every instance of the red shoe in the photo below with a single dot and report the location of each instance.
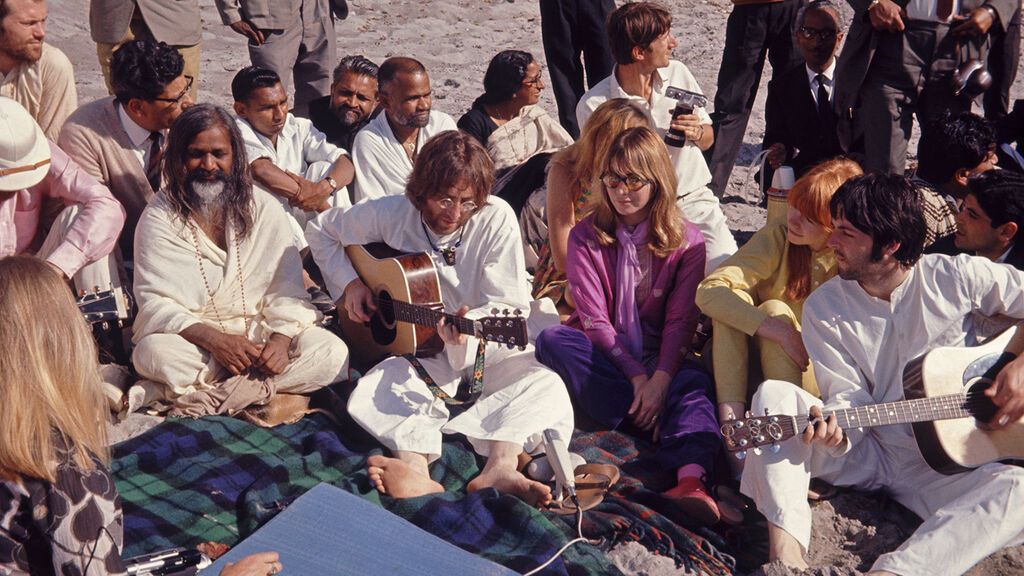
(693, 498)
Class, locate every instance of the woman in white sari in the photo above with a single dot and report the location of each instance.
(519, 136)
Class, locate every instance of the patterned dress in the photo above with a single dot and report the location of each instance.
(72, 527)
(547, 280)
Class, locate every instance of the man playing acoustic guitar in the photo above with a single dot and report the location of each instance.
(888, 307)
(407, 403)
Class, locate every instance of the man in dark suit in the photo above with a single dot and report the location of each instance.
(898, 61)
(800, 122)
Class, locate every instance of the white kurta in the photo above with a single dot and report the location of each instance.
(859, 345)
(699, 205)
(171, 293)
(382, 166)
(301, 149)
(521, 398)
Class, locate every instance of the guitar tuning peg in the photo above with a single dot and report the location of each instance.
(518, 312)
(730, 418)
(510, 346)
(505, 311)
(741, 455)
(758, 451)
(775, 448)
(748, 414)
(494, 311)
(522, 347)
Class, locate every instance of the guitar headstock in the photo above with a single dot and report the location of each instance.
(752, 432)
(509, 328)
(103, 306)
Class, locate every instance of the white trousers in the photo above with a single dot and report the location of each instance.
(967, 516)
(179, 367)
(701, 208)
(521, 398)
(99, 275)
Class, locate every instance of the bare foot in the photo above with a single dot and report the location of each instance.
(399, 480)
(511, 481)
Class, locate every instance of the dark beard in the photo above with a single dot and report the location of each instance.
(343, 115)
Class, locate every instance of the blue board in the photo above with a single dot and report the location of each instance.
(330, 532)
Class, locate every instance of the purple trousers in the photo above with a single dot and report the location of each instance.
(689, 426)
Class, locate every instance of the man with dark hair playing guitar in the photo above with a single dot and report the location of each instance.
(472, 261)
(889, 306)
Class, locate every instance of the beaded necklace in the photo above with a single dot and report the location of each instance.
(206, 281)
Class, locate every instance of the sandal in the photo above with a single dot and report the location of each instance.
(592, 483)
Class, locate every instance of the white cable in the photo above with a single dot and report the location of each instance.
(580, 538)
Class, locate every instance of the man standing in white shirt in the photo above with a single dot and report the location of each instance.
(385, 150)
(473, 241)
(889, 306)
(641, 40)
(288, 156)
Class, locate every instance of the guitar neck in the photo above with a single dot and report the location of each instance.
(429, 317)
(900, 412)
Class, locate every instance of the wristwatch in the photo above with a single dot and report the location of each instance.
(333, 183)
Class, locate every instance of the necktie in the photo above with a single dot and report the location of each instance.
(153, 165)
(944, 9)
(824, 107)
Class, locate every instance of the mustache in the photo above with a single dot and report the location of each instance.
(201, 174)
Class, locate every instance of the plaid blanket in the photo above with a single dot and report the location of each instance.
(219, 479)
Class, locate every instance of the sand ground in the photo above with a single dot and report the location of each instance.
(455, 40)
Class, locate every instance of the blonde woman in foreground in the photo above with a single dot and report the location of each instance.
(59, 509)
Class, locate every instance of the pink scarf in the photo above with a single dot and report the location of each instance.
(627, 315)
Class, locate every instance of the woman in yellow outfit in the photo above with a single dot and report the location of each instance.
(758, 293)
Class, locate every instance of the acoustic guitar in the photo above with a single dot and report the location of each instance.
(407, 293)
(945, 404)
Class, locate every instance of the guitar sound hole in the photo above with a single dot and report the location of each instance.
(979, 405)
(382, 324)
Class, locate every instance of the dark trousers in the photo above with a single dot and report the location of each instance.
(752, 31)
(1003, 59)
(910, 74)
(571, 28)
(689, 427)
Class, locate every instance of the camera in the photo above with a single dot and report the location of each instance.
(686, 101)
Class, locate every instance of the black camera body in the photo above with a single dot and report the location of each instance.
(686, 101)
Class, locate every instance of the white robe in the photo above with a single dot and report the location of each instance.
(521, 398)
(171, 293)
(859, 345)
(381, 163)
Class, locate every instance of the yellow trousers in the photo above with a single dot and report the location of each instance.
(732, 358)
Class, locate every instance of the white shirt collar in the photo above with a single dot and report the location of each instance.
(618, 92)
(828, 73)
(137, 134)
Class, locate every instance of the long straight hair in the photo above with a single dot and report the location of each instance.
(640, 151)
(586, 156)
(810, 196)
(50, 389)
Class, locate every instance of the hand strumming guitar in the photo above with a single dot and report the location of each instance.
(448, 332)
(358, 301)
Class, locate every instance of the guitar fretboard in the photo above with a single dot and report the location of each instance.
(901, 412)
(425, 316)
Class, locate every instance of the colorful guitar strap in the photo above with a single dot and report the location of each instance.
(465, 395)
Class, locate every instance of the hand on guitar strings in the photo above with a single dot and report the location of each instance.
(825, 432)
(358, 301)
(448, 332)
(1007, 393)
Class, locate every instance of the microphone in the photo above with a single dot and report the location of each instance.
(557, 450)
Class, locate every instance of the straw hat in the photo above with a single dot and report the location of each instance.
(24, 150)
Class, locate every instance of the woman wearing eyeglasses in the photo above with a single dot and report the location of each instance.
(518, 134)
(759, 292)
(59, 509)
(633, 268)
